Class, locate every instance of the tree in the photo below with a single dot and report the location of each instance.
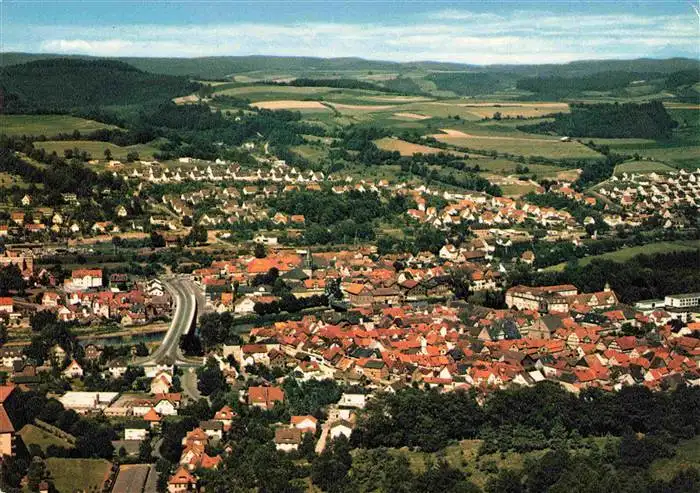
(211, 379)
(145, 451)
(197, 235)
(132, 156)
(330, 469)
(507, 481)
(157, 240)
(35, 474)
(108, 154)
(307, 449)
(3, 334)
(259, 251)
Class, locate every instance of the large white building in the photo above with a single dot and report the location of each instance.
(688, 300)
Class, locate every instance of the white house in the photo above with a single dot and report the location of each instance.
(136, 431)
(73, 370)
(340, 428)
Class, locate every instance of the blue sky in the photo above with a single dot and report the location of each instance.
(481, 32)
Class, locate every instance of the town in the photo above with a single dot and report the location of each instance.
(282, 274)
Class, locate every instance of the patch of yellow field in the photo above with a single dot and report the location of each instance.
(289, 104)
(360, 107)
(411, 116)
(192, 98)
(457, 134)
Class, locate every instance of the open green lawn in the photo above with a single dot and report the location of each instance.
(687, 455)
(48, 125)
(626, 254)
(33, 435)
(642, 167)
(96, 149)
(70, 475)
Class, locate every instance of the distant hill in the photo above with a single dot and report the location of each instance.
(219, 67)
(62, 84)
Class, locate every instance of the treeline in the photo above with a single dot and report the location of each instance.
(61, 84)
(430, 420)
(627, 120)
(290, 304)
(640, 278)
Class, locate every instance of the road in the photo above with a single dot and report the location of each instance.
(187, 298)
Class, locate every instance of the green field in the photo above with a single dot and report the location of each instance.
(626, 254)
(48, 125)
(70, 475)
(687, 455)
(642, 167)
(33, 435)
(96, 149)
(523, 146)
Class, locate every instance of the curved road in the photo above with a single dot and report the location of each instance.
(186, 297)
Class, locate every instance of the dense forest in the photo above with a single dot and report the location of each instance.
(614, 82)
(429, 420)
(471, 83)
(567, 86)
(62, 84)
(627, 120)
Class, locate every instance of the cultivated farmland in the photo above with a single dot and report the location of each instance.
(525, 146)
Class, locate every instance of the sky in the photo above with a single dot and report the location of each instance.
(478, 32)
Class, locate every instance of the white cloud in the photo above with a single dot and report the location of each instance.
(448, 35)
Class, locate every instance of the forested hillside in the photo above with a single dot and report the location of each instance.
(63, 84)
(628, 120)
(471, 84)
(555, 87)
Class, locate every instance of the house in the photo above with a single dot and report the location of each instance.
(7, 428)
(307, 424)
(181, 481)
(50, 299)
(225, 416)
(214, 429)
(152, 418)
(86, 279)
(73, 370)
(6, 305)
(137, 430)
(341, 427)
(356, 401)
(160, 384)
(528, 257)
(265, 397)
(287, 439)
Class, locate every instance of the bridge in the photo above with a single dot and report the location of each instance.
(188, 300)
